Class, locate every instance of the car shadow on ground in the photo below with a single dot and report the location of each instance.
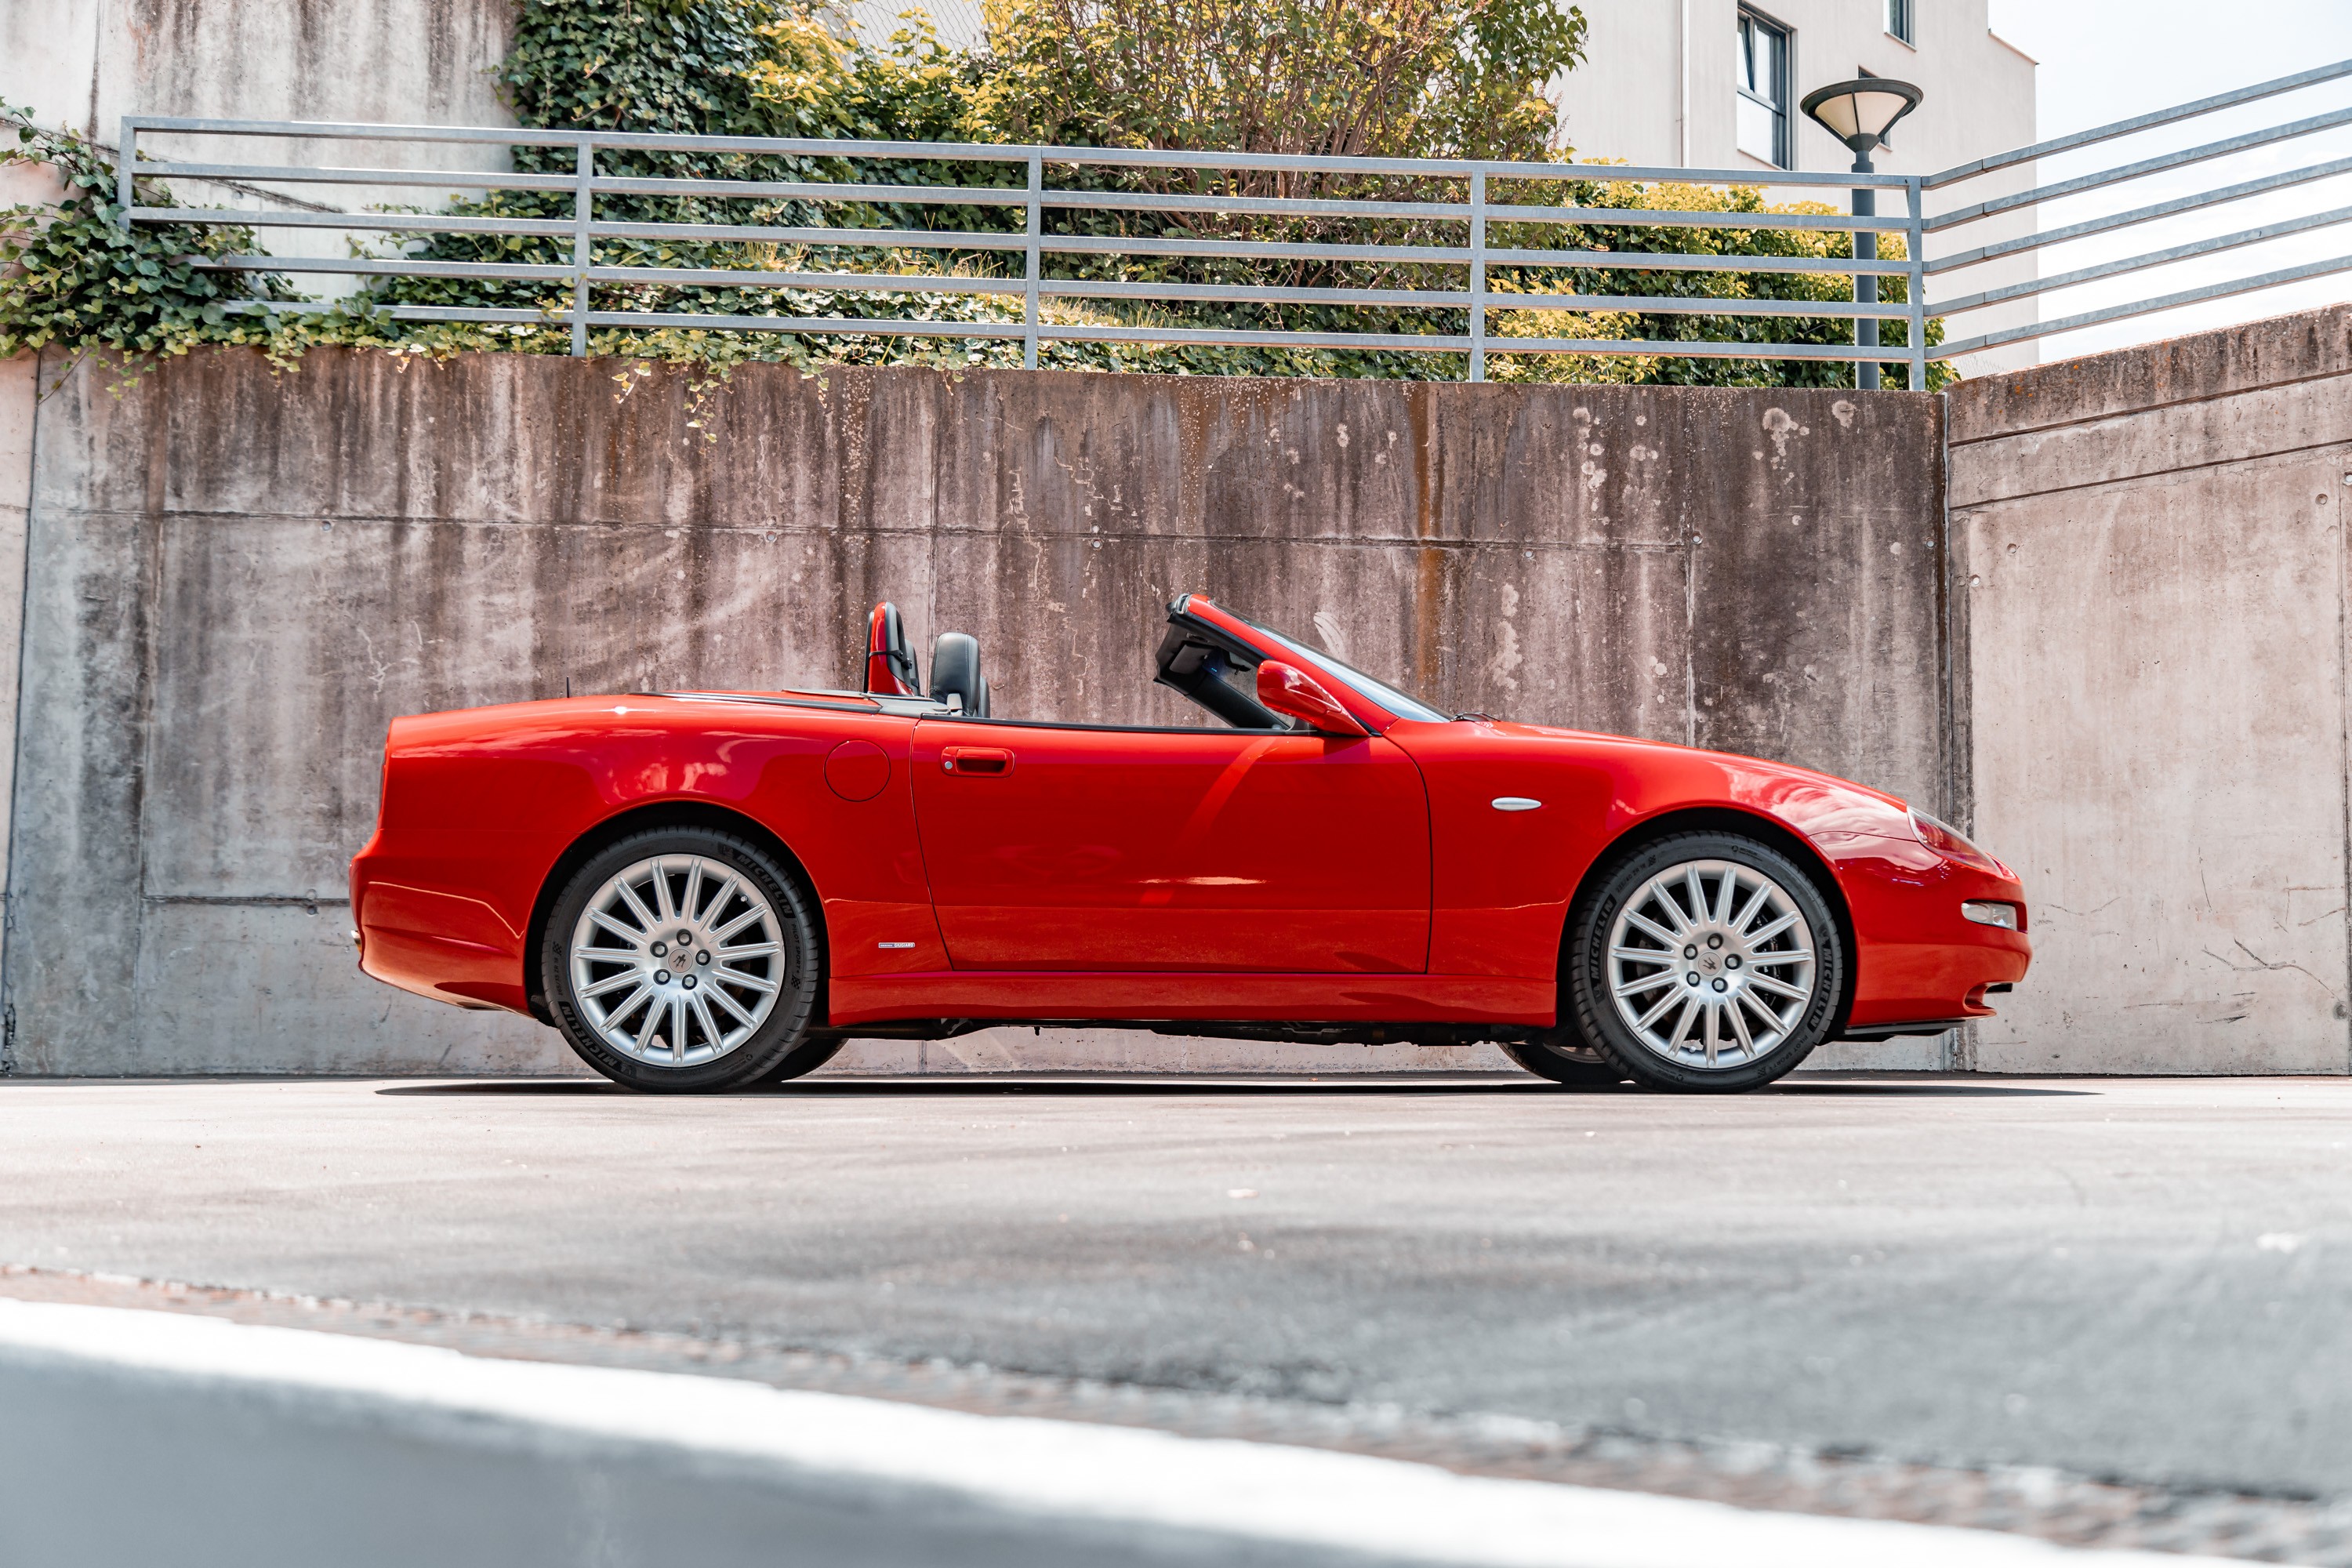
(1090, 1086)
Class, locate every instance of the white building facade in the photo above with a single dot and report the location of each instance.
(1716, 84)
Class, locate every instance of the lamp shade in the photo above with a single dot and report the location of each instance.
(1860, 113)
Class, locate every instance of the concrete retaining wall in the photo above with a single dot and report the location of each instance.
(2152, 545)
(236, 577)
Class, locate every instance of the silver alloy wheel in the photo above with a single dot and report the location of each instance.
(678, 960)
(1711, 965)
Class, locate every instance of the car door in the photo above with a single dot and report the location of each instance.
(1055, 847)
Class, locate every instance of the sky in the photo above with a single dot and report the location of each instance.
(2104, 60)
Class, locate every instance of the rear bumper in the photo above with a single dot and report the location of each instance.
(422, 929)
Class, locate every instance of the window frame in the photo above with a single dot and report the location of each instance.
(1903, 21)
(1784, 127)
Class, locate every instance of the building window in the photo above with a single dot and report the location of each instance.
(1898, 18)
(1763, 104)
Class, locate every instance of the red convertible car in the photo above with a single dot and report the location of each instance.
(705, 890)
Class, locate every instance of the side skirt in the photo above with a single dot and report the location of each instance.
(1320, 1002)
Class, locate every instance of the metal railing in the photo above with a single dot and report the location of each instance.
(2130, 217)
(1471, 215)
(1449, 232)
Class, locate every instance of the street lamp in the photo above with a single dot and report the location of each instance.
(1859, 114)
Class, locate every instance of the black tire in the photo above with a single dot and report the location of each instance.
(1730, 973)
(1562, 1057)
(805, 1058)
(776, 1043)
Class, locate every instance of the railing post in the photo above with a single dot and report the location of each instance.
(1478, 275)
(126, 152)
(1915, 242)
(1036, 228)
(583, 208)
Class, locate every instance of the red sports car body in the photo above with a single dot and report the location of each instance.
(1340, 862)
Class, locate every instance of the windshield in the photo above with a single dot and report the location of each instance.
(1387, 696)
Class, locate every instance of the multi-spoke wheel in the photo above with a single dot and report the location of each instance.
(686, 959)
(1706, 960)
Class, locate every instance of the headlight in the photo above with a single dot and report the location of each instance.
(1946, 840)
(1986, 912)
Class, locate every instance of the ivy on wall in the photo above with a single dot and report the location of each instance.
(1428, 77)
(78, 275)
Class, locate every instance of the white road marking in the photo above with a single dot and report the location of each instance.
(1044, 1468)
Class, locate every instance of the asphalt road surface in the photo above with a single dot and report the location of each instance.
(2140, 1280)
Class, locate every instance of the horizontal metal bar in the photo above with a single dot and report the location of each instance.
(1686, 305)
(1088, 201)
(1123, 157)
(722, 277)
(2144, 307)
(2244, 236)
(818, 235)
(1074, 244)
(1079, 288)
(1272, 207)
(2113, 128)
(1684, 261)
(1272, 294)
(1651, 173)
(1244, 337)
(295, 174)
(493, 313)
(2137, 215)
(1091, 244)
(1261, 250)
(1116, 245)
(2146, 167)
(829, 147)
(368, 267)
(1704, 349)
(350, 130)
(809, 190)
(1066, 289)
(398, 222)
(1684, 218)
(893, 329)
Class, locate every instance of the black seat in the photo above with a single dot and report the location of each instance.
(956, 679)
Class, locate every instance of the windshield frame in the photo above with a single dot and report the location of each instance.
(1401, 704)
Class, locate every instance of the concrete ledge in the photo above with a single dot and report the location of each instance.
(2276, 352)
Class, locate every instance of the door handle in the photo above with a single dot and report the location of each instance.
(976, 761)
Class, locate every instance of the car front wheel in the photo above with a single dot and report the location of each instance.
(684, 960)
(1705, 962)
(1562, 1057)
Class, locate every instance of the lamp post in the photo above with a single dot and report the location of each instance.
(1859, 114)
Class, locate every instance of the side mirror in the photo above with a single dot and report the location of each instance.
(1292, 693)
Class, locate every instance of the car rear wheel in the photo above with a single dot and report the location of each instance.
(1705, 962)
(686, 959)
